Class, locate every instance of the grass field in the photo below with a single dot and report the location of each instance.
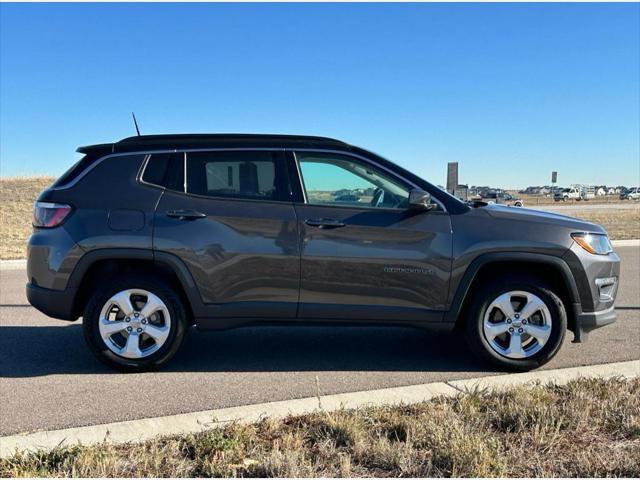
(540, 200)
(16, 212)
(18, 194)
(588, 428)
(620, 224)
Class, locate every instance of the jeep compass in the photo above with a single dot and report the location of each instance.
(147, 236)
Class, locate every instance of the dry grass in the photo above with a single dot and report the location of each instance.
(586, 428)
(532, 201)
(620, 224)
(17, 195)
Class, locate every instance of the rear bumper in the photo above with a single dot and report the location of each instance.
(588, 321)
(53, 303)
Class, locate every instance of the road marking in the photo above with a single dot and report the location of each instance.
(145, 429)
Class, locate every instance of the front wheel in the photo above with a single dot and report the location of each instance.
(134, 324)
(518, 325)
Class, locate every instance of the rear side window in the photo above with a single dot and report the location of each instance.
(165, 170)
(246, 175)
(155, 169)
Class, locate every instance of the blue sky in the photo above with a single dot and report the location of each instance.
(511, 92)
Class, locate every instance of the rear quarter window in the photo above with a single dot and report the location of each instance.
(75, 171)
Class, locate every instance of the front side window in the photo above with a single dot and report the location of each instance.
(341, 180)
(229, 174)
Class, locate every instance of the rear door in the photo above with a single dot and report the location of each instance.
(228, 216)
(365, 254)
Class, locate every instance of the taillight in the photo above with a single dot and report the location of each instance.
(49, 215)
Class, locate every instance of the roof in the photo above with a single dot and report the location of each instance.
(216, 140)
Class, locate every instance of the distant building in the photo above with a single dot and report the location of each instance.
(462, 192)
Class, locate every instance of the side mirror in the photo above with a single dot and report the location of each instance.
(420, 200)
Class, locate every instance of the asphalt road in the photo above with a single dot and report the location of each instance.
(49, 380)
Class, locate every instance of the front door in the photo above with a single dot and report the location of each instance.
(232, 223)
(365, 253)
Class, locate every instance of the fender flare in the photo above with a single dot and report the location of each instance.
(470, 274)
(90, 258)
(185, 278)
(159, 258)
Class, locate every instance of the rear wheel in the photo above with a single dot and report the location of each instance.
(519, 324)
(136, 323)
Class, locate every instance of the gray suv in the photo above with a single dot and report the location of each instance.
(152, 234)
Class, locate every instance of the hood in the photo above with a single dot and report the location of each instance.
(539, 216)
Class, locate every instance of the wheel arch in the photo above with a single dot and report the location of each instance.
(103, 264)
(492, 264)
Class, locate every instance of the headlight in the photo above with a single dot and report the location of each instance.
(595, 243)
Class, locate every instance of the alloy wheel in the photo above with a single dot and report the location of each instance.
(517, 324)
(134, 323)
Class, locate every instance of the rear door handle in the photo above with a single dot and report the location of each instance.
(185, 214)
(324, 223)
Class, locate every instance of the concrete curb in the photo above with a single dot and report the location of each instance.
(559, 376)
(13, 264)
(145, 429)
(626, 243)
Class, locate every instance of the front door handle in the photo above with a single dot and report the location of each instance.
(185, 214)
(324, 223)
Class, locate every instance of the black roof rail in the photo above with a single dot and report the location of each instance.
(213, 140)
(225, 137)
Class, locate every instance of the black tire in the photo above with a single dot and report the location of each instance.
(177, 332)
(473, 325)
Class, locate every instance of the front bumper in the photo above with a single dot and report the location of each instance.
(594, 274)
(53, 303)
(597, 279)
(588, 321)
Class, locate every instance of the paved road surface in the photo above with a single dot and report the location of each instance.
(49, 380)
